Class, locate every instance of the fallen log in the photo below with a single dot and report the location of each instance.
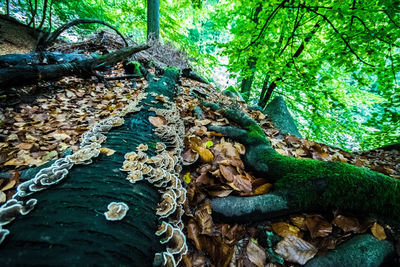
(39, 58)
(68, 227)
(29, 74)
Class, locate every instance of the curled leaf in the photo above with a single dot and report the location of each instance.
(295, 249)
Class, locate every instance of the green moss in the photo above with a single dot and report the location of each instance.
(335, 184)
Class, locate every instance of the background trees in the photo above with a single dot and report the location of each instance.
(336, 64)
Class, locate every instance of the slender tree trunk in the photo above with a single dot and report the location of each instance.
(153, 19)
(251, 64)
(44, 14)
(8, 7)
(248, 81)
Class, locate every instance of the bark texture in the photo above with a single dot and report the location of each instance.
(68, 227)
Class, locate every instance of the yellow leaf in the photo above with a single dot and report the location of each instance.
(205, 154)
(187, 178)
(284, 229)
(262, 189)
(107, 151)
(9, 185)
(378, 231)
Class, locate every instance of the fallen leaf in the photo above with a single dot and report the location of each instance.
(284, 229)
(209, 144)
(189, 157)
(203, 218)
(299, 221)
(157, 121)
(256, 254)
(24, 146)
(9, 185)
(347, 224)
(262, 189)
(186, 178)
(317, 226)
(378, 231)
(205, 154)
(107, 151)
(3, 197)
(295, 250)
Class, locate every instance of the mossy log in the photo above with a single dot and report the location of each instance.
(308, 183)
(68, 227)
(29, 74)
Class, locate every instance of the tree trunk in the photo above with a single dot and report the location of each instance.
(68, 227)
(248, 80)
(28, 74)
(307, 183)
(153, 19)
(264, 99)
(8, 7)
(37, 58)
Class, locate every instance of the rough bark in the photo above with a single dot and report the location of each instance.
(308, 183)
(68, 228)
(28, 74)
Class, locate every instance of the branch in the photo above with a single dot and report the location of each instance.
(341, 36)
(265, 24)
(394, 22)
(368, 29)
(53, 36)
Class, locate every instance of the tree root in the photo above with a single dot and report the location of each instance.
(308, 183)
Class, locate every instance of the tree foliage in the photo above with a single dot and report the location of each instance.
(335, 62)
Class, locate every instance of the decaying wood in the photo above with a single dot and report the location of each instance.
(29, 74)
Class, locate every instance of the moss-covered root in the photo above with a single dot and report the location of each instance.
(313, 183)
(360, 251)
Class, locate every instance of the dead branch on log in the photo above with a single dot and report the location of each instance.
(29, 74)
(51, 38)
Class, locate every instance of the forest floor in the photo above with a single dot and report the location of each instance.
(42, 128)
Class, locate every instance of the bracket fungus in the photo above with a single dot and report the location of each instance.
(116, 211)
(89, 148)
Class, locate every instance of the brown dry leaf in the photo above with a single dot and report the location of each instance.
(193, 233)
(189, 157)
(228, 172)
(157, 121)
(24, 146)
(9, 185)
(317, 226)
(294, 249)
(378, 231)
(203, 218)
(347, 224)
(202, 122)
(240, 148)
(284, 229)
(107, 151)
(256, 254)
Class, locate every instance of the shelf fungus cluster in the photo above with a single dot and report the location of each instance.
(162, 171)
(89, 149)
